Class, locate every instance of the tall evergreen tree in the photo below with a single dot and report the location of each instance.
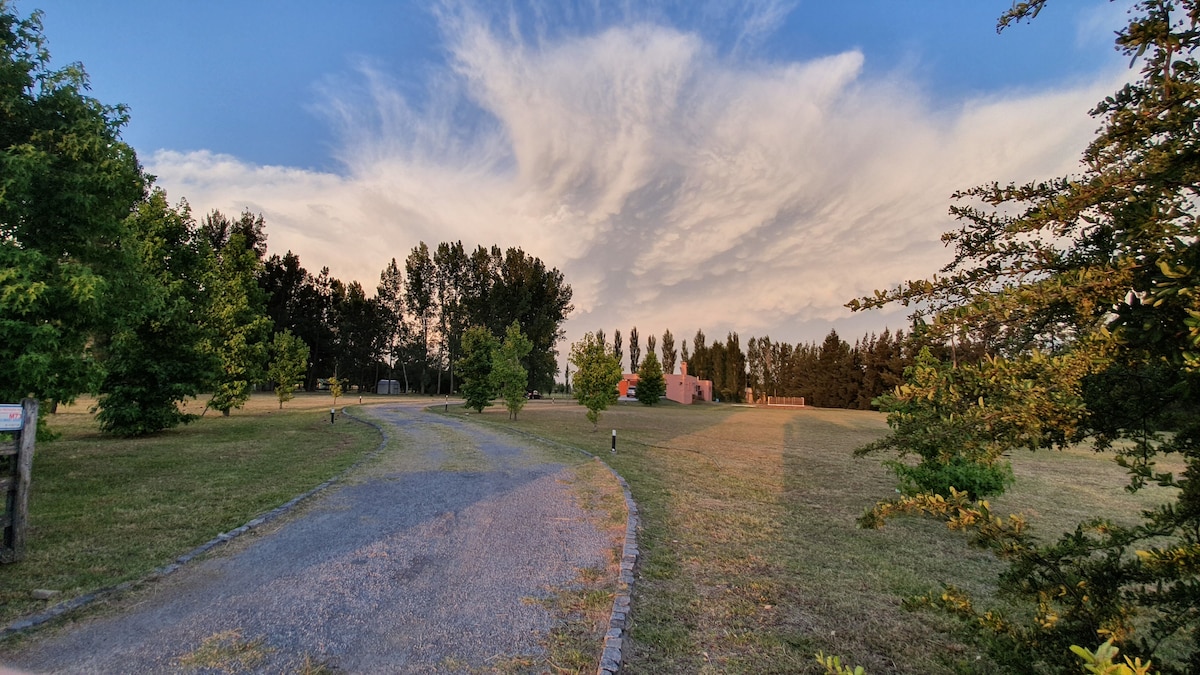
(651, 385)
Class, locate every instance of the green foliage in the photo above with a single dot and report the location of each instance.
(961, 421)
(156, 358)
(833, 666)
(289, 359)
(668, 353)
(651, 385)
(236, 314)
(67, 184)
(1088, 287)
(475, 367)
(597, 374)
(509, 378)
(1103, 661)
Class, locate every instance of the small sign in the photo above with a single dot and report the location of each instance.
(12, 417)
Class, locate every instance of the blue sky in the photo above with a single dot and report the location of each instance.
(731, 166)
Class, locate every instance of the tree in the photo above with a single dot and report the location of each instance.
(597, 374)
(335, 389)
(156, 357)
(651, 343)
(289, 359)
(617, 352)
(668, 353)
(526, 291)
(67, 185)
(299, 302)
(361, 334)
(475, 367)
(239, 328)
(389, 296)
(701, 363)
(419, 297)
(635, 350)
(1087, 281)
(450, 264)
(651, 385)
(509, 377)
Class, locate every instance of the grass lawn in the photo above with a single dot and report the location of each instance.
(751, 558)
(104, 510)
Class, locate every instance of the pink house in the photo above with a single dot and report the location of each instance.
(684, 388)
(680, 388)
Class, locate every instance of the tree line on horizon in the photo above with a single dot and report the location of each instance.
(828, 374)
(412, 328)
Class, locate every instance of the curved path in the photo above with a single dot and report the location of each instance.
(429, 559)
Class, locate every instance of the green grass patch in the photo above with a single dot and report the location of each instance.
(105, 510)
(752, 561)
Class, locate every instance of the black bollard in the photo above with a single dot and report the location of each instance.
(614, 443)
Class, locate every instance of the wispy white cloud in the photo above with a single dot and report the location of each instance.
(675, 185)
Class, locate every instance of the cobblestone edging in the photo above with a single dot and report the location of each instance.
(35, 620)
(618, 617)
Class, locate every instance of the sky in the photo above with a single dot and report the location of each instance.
(688, 164)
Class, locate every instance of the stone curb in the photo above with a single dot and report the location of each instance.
(618, 617)
(35, 620)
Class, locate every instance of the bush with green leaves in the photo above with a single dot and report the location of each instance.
(651, 385)
(597, 374)
(509, 378)
(475, 367)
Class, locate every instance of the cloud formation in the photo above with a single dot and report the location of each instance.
(676, 186)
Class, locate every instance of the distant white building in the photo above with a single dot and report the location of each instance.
(388, 387)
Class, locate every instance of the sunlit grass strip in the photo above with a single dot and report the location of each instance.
(751, 558)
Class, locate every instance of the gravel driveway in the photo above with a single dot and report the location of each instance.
(429, 559)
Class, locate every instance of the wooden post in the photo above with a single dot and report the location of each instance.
(17, 502)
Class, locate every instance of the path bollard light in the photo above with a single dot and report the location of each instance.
(332, 413)
(360, 398)
(614, 444)
(447, 408)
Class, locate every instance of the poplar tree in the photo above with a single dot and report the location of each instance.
(635, 350)
(668, 352)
